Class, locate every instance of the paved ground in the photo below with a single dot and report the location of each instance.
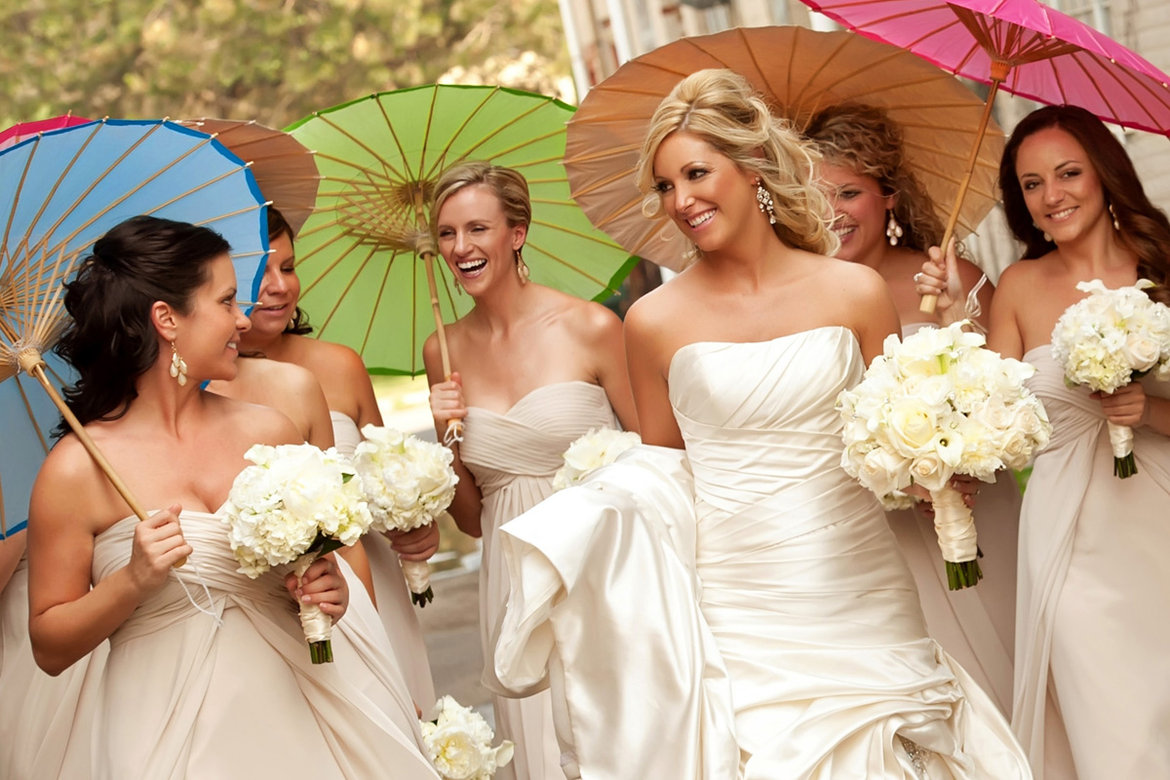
(451, 628)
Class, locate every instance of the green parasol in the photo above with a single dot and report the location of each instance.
(379, 158)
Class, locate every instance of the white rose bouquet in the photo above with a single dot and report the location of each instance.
(590, 452)
(936, 405)
(408, 483)
(459, 743)
(1109, 339)
(294, 505)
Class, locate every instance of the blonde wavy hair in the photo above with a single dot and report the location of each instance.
(509, 186)
(721, 107)
(867, 141)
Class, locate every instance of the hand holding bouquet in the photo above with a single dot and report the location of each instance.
(591, 451)
(407, 483)
(1106, 341)
(294, 505)
(459, 743)
(936, 405)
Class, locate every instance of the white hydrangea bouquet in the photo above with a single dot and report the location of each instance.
(932, 406)
(459, 743)
(294, 505)
(408, 483)
(1107, 340)
(591, 451)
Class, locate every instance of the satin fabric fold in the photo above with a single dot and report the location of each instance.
(1093, 552)
(615, 569)
(513, 457)
(399, 618)
(976, 626)
(47, 722)
(233, 694)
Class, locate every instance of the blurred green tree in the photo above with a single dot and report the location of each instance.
(270, 60)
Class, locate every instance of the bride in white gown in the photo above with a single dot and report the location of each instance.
(785, 635)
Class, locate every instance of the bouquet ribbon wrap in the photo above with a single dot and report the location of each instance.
(1121, 440)
(316, 625)
(955, 526)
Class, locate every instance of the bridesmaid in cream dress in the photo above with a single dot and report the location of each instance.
(812, 614)
(536, 369)
(280, 332)
(207, 674)
(1093, 548)
(885, 220)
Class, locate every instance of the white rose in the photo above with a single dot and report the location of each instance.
(930, 472)
(1141, 352)
(912, 425)
(883, 471)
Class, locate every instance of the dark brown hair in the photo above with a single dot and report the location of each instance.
(1142, 227)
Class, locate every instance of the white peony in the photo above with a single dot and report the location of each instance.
(591, 451)
(277, 508)
(407, 483)
(458, 742)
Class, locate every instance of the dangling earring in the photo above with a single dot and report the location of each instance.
(1047, 237)
(458, 286)
(178, 366)
(764, 201)
(521, 268)
(1112, 213)
(893, 230)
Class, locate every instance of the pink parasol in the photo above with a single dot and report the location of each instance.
(18, 132)
(1030, 49)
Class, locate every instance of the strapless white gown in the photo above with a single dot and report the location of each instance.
(394, 605)
(233, 694)
(808, 604)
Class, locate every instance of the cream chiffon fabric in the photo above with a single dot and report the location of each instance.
(45, 721)
(233, 694)
(976, 626)
(513, 457)
(802, 597)
(1094, 591)
(394, 604)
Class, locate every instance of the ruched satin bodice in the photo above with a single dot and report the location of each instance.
(1092, 571)
(224, 692)
(787, 414)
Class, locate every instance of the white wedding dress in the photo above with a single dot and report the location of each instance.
(784, 630)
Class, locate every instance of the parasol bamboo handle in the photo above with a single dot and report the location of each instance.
(426, 250)
(999, 71)
(454, 427)
(34, 366)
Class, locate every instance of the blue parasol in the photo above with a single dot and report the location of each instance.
(59, 192)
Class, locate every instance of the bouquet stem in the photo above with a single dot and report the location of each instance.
(418, 580)
(316, 625)
(1121, 440)
(955, 527)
